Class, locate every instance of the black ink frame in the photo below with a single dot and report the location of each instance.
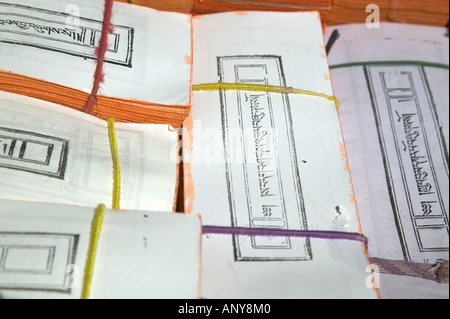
(126, 61)
(307, 255)
(62, 158)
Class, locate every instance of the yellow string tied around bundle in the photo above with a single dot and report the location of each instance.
(116, 163)
(262, 88)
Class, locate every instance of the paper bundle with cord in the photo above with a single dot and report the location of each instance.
(253, 159)
(136, 68)
(49, 153)
(143, 70)
(392, 84)
(275, 159)
(45, 252)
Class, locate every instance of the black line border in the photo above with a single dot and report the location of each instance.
(297, 181)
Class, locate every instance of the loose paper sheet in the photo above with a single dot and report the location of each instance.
(270, 160)
(147, 59)
(49, 153)
(43, 251)
(392, 85)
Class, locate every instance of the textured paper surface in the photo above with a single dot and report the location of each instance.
(56, 41)
(260, 159)
(392, 84)
(44, 249)
(53, 154)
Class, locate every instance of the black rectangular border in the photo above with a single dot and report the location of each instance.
(71, 257)
(386, 164)
(293, 153)
(62, 158)
(130, 38)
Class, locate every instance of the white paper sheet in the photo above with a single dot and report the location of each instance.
(43, 251)
(392, 85)
(49, 153)
(270, 160)
(148, 56)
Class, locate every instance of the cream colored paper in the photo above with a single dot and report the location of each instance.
(270, 160)
(392, 84)
(49, 153)
(149, 51)
(140, 255)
